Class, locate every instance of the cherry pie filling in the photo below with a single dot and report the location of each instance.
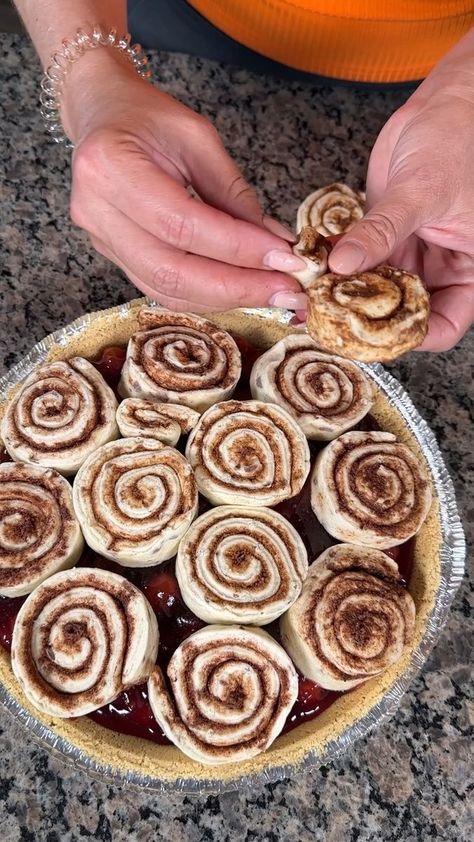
(131, 713)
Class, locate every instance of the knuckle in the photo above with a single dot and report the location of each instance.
(238, 189)
(77, 212)
(176, 230)
(237, 294)
(168, 282)
(204, 128)
(92, 155)
(382, 231)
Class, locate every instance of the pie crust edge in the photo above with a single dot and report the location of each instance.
(122, 754)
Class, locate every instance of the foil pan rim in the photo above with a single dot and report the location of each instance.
(452, 557)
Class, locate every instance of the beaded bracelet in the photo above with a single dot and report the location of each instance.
(52, 84)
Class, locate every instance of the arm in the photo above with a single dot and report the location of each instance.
(49, 21)
(136, 152)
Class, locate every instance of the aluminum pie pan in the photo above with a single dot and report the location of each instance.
(451, 570)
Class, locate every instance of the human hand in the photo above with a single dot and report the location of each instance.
(136, 152)
(420, 197)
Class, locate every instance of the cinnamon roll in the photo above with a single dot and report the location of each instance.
(352, 620)
(135, 499)
(248, 453)
(80, 639)
(333, 209)
(180, 358)
(368, 488)
(163, 421)
(325, 394)
(371, 316)
(62, 413)
(238, 565)
(39, 532)
(314, 249)
(232, 689)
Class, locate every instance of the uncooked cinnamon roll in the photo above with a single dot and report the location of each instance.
(368, 488)
(372, 316)
(248, 453)
(325, 394)
(81, 638)
(163, 421)
(61, 414)
(180, 358)
(333, 209)
(314, 249)
(232, 689)
(39, 532)
(352, 620)
(135, 499)
(238, 565)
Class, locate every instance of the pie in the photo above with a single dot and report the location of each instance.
(268, 601)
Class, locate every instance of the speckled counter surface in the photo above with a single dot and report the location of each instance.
(410, 779)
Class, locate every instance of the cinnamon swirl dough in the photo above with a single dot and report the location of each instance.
(333, 209)
(163, 421)
(135, 499)
(325, 394)
(232, 689)
(352, 620)
(180, 358)
(314, 249)
(248, 453)
(368, 488)
(63, 412)
(81, 638)
(39, 532)
(372, 316)
(238, 565)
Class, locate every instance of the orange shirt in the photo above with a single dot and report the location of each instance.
(359, 40)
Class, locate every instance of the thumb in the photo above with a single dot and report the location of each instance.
(386, 226)
(219, 182)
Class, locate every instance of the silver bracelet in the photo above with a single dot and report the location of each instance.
(52, 83)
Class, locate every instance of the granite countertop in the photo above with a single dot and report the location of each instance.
(410, 779)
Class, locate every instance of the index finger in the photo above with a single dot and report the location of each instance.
(164, 208)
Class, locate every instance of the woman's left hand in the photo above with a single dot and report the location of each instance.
(420, 196)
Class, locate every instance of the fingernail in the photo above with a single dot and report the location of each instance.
(283, 261)
(277, 228)
(289, 300)
(348, 258)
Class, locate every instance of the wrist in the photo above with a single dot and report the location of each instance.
(73, 87)
(91, 87)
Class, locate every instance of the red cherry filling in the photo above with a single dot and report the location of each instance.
(131, 714)
(110, 364)
(312, 700)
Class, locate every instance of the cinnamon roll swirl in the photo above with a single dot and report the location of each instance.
(368, 488)
(62, 413)
(39, 532)
(180, 358)
(333, 209)
(352, 620)
(163, 421)
(81, 638)
(314, 249)
(238, 565)
(135, 499)
(248, 453)
(232, 689)
(325, 394)
(372, 316)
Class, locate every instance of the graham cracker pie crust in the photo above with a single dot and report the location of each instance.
(121, 753)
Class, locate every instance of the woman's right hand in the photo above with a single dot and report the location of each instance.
(136, 152)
